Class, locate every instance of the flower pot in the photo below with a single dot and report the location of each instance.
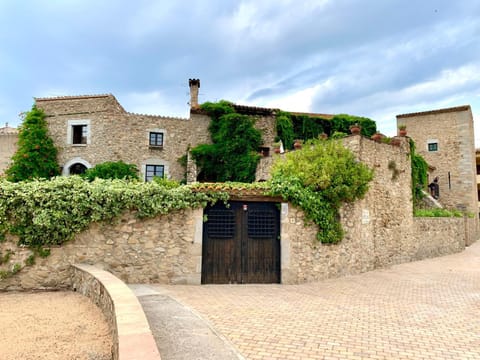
(355, 129)
(402, 132)
(297, 144)
(377, 137)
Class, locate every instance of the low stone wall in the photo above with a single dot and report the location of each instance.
(166, 249)
(132, 338)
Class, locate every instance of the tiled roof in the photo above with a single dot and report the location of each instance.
(73, 97)
(81, 97)
(439, 111)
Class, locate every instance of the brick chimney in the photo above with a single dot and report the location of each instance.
(194, 85)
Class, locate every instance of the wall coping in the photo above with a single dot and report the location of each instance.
(134, 337)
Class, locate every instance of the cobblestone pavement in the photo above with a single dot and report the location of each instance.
(424, 310)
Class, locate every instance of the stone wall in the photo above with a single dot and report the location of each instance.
(166, 249)
(380, 231)
(8, 146)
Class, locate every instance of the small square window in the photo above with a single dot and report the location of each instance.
(153, 170)
(79, 134)
(156, 139)
(433, 146)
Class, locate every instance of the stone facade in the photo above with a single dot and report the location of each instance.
(8, 146)
(113, 134)
(445, 138)
(380, 231)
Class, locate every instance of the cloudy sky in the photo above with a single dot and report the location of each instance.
(373, 58)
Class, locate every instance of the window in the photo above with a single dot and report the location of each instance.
(433, 146)
(79, 134)
(77, 169)
(156, 139)
(153, 170)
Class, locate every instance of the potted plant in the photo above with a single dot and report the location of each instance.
(402, 130)
(377, 137)
(276, 147)
(355, 129)
(298, 144)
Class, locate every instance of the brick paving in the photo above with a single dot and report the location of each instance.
(424, 310)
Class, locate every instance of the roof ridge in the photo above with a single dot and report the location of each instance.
(72, 97)
(437, 111)
(157, 116)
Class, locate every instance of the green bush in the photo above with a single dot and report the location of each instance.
(36, 156)
(319, 179)
(112, 170)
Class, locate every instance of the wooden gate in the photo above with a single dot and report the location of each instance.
(241, 243)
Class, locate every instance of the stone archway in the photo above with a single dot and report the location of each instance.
(75, 166)
(77, 169)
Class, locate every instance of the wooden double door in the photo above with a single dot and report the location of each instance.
(241, 243)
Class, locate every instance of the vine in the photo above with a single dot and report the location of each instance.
(233, 154)
(419, 173)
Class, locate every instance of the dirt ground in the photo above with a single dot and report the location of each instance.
(52, 325)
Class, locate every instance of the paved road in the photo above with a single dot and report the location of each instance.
(424, 310)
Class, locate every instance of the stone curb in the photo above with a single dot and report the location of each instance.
(132, 337)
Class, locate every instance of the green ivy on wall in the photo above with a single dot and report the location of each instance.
(233, 154)
(419, 173)
(305, 127)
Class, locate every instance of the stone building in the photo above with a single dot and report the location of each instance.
(8, 146)
(91, 129)
(445, 138)
(88, 130)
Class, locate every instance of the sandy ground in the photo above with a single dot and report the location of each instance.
(52, 325)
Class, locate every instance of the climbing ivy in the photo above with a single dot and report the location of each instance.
(319, 179)
(284, 128)
(36, 156)
(419, 173)
(233, 154)
(305, 127)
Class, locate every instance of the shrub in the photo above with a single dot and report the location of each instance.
(318, 179)
(112, 170)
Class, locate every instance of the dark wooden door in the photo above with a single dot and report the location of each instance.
(241, 243)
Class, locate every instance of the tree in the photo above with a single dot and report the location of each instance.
(36, 156)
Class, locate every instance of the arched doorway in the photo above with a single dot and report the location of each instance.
(77, 169)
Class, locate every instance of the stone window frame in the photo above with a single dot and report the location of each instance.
(432, 145)
(78, 122)
(156, 162)
(156, 131)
